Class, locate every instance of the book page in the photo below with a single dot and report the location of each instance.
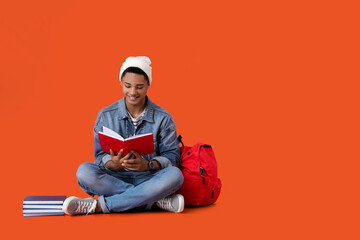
(112, 133)
(138, 136)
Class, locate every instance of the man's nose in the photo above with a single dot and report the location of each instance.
(133, 91)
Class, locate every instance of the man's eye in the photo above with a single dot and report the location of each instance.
(127, 86)
(139, 88)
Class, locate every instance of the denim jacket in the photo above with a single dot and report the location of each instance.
(156, 120)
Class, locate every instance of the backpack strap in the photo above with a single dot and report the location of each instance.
(180, 140)
(205, 146)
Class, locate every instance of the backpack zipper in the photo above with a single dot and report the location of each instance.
(202, 170)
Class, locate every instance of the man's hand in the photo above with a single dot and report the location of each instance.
(138, 163)
(115, 164)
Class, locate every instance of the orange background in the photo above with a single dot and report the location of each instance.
(271, 85)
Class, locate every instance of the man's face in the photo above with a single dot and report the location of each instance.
(134, 87)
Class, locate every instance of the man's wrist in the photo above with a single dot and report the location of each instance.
(153, 165)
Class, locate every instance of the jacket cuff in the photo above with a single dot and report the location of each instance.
(105, 159)
(164, 162)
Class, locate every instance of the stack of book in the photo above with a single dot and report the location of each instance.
(34, 206)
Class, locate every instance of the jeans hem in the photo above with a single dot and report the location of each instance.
(103, 204)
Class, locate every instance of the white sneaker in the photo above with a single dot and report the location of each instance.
(75, 206)
(174, 203)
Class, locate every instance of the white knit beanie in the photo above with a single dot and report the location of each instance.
(142, 62)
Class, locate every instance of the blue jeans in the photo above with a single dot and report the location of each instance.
(125, 190)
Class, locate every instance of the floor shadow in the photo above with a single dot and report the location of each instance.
(155, 210)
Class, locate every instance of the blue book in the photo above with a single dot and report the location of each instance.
(42, 214)
(44, 200)
(37, 211)
(42, 206)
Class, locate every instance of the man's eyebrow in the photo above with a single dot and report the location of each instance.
(140, 84)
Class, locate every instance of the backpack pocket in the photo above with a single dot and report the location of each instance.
(212, 191)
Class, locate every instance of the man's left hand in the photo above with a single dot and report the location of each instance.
(138, 163)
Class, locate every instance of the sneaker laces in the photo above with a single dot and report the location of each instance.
(165, 203)
(85, 207)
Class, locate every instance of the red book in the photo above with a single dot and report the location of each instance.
(143, 144)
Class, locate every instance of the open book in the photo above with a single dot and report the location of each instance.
(143, 144)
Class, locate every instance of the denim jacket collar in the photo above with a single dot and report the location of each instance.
(149, 110)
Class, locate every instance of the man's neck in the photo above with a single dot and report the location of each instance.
(135, 110)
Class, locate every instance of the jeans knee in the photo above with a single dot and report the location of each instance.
(84, 172)
(177, 176)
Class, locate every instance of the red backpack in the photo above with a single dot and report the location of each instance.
(201, 185)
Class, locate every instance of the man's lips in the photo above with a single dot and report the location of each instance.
(132, 98)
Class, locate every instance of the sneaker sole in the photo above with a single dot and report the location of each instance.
(182, 203)
(66, 204)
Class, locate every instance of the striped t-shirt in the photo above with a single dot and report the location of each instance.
(136, 121)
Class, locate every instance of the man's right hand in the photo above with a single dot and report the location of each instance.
(115, 164)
